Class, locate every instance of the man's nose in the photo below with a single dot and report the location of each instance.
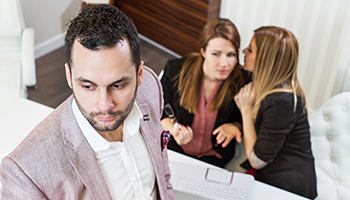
(105, 101)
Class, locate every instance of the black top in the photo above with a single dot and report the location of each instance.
(283, 141)
(226, 114)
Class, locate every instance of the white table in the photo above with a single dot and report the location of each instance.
(18, 119)
(22, 116)
(261, 190)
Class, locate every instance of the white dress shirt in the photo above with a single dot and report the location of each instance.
(126, 166)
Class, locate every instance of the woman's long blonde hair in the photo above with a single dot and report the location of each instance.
(190, 79)
(276, 64)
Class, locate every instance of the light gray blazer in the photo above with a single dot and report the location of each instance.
(55, 160)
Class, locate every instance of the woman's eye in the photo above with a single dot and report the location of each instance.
(231, 54)
(215, 54)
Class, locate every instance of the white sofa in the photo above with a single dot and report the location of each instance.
(330, 137)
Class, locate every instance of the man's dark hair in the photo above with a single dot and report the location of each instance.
(102, 27)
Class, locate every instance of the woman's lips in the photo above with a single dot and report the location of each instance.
(223, 71)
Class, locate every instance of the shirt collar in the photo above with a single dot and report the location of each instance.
(96, 141)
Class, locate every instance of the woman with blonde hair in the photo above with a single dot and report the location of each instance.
(200, 89)
(274, 114)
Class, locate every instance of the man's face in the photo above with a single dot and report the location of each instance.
(104, 84)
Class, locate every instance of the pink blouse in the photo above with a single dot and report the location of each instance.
(202, 126)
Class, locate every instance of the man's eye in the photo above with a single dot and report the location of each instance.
(88, 87)
(117, 86)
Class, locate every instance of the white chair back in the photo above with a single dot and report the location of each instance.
(17, 58)
(330, 137)
(11, 18)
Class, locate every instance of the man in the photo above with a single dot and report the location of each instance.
(100, 143)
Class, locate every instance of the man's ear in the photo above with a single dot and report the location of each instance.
(68, 75)
(140, 74)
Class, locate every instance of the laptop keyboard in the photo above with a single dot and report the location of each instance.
(208, 189)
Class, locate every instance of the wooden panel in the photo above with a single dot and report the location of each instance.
(174, 24)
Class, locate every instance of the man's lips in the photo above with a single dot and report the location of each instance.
(105, 118)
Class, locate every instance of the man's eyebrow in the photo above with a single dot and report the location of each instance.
(125, 78)
(81, 79)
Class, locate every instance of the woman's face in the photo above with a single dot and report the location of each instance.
(220, 58)
(250, 55)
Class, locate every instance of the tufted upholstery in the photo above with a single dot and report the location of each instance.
(330, 137)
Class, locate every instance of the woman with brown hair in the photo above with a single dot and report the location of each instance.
(275, 120)
(200, 89)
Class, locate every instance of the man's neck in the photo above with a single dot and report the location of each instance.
(113, 136)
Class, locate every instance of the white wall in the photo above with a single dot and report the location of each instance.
(49, 19)
(321, 26)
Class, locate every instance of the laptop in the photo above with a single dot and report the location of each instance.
(194, 182)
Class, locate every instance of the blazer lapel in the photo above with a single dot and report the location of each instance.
(86, 166)
(81, 156)
(147, 130)
(151, 135)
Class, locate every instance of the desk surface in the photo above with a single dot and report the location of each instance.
(261, 190)
(17, 121)
(19, 118)
(24, 115)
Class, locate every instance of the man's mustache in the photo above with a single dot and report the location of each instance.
(109, 113)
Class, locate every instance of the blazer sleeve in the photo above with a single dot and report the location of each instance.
(171, 70)
(15, 182)
(277, 120)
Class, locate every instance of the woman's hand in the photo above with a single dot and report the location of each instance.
(183, 135)
(226, 132)
(245, 98)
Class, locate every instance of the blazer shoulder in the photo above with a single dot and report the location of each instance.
(150, 91)
(48, 131)
(174, 66)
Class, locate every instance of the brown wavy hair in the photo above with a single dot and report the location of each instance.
(190, 78)
(276, 63)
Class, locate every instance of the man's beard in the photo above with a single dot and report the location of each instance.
(99, 125)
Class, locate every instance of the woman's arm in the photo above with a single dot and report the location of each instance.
(245, 100)
(249, 135)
